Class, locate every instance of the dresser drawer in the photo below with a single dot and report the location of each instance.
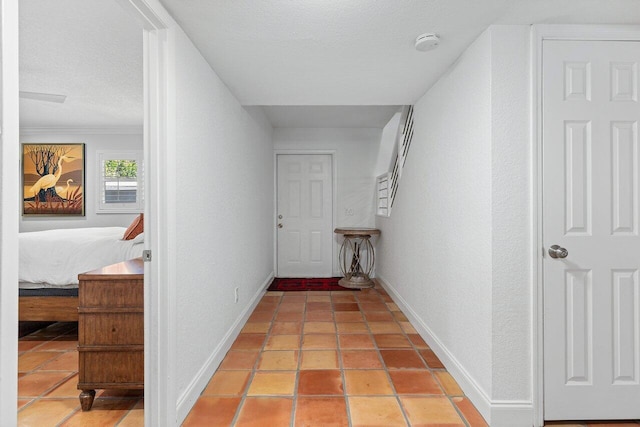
(108, 293)
(111, 328)
(111, 367)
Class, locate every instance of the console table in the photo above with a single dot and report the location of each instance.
(356, 256)
(111, 329)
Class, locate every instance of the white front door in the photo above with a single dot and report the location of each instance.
(305, 215)
(591, 192)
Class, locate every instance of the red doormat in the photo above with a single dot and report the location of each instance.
(316, 284)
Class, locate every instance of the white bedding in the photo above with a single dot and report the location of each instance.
(54, 258)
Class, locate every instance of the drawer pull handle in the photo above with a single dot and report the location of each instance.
(113, 329)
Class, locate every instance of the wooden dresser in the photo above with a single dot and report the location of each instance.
(111, 329)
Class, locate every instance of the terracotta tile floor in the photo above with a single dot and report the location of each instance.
(47, 380)
(348, 358)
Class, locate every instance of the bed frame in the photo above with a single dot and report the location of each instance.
(43, 308)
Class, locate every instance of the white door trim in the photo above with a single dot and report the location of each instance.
(156, 78)
(539, 33)
(159, 136)
(9, 173)
(334, 177)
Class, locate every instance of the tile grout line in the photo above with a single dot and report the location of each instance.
(68, 417)
(460, 414)
(435, 377)
(254, 370)
(50, 389)
(341, 366)
(388, 374)
(256, 366)
(40, 397)
(294, 403)
(417, 350)
(126, 413)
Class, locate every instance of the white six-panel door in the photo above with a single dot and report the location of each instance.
(305, 215)
(591, 191)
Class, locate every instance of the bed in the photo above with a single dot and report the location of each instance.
(50, 261)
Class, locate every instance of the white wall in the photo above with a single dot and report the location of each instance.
(388, 146)
(435, 249)
(356, 151)
(93, 142)
(456, 249)
(224, 217)
(511, 214)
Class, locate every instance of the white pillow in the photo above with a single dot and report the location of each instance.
(138, 239)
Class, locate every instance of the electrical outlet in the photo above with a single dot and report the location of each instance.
(235, 295)
(348, 211)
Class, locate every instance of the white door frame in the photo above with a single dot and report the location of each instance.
(159, 134)
(9, 217)
(160, 394)
(334, 208)
(539, 33)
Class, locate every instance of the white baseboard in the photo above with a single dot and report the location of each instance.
(201, 379)
(503, 413)
(507, 413)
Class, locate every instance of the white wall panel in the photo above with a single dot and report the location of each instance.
(578, 179)
(315, 167)
(316, 198)
(579, 326)
(577, 81)
(624, 168)
(624, 81)
(315, 246)
(626, 327)
(295, 199)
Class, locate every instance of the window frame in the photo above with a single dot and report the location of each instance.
(128, 208)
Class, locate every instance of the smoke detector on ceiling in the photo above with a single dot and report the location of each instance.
(427, 41)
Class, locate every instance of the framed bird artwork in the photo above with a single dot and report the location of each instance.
(53, 179)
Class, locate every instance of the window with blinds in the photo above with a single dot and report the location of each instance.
(120, 182)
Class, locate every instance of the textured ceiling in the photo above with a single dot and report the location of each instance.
(356, 52)
(89, 50)
(330, 116)
(312, 53)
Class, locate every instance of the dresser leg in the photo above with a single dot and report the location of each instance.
(86, 399)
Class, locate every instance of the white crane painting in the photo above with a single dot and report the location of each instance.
(44, 166)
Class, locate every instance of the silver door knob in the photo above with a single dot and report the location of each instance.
(279, 225)
(556, 251)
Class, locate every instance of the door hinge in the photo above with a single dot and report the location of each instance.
(146, 255)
